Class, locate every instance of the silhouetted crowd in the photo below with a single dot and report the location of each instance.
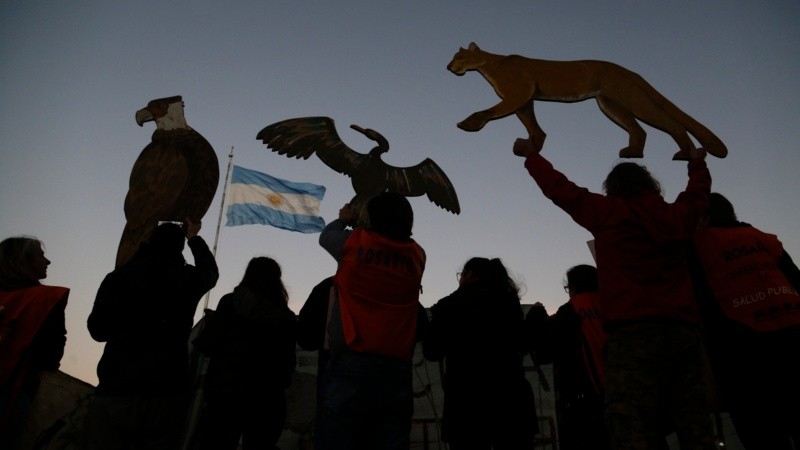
(686, 312)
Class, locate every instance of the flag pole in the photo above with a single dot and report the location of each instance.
(219, 219)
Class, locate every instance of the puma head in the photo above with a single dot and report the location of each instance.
(467, 59)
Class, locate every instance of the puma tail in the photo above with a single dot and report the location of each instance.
(709, 141)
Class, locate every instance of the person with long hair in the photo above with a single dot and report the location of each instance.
(477, 332)
(250, 342)
(32, 330)
(647, 302)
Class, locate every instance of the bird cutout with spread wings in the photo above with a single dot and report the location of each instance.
(622, 95)
(301, 137)
(174, 178)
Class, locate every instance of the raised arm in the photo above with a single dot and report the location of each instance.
(335, 233)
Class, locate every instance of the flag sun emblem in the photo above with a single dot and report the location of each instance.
(274, 199)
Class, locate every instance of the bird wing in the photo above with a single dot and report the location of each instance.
(424, 178)
(300, 137)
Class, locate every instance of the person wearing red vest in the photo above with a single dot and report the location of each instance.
(573, 339)
(365, 394)
(747, 286)
(647, 301)
(32, 330)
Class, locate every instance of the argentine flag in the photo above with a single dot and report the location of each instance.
(258, 198)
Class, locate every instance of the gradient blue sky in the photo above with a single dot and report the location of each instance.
(74, 73)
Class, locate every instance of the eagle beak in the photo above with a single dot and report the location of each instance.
(143, 115)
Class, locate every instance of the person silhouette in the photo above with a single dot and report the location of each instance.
(366, 392)
(747, 290)
(250, 341)
(647, 302)
(477, 331)
(32, 330)
(144, 311)
(573, 340)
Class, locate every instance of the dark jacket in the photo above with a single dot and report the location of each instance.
(250, 341)
(144, 312)
(312, 318)
(478, 335)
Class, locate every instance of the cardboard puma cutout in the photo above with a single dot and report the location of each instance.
(622, 95)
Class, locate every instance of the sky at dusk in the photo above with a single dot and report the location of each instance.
(74, 73)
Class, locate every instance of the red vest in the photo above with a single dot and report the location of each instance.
(585, 306)
(378, 282)
(741, 267)
(22, 312)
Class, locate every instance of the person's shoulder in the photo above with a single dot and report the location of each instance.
(448, 301)
(651, 201)
(228, 297)
(229, 301)
(288, 315)
(323, 285)
(127, 270)
(196, 239)
(566, 308)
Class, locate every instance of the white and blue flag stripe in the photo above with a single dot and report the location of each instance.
(258, 198)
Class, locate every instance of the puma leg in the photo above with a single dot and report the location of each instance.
(475, 122)
(682, 155)
(659, 117)
(478, 120)
(528, 119)
(629, 152)
(625, 119)
(681, 137)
